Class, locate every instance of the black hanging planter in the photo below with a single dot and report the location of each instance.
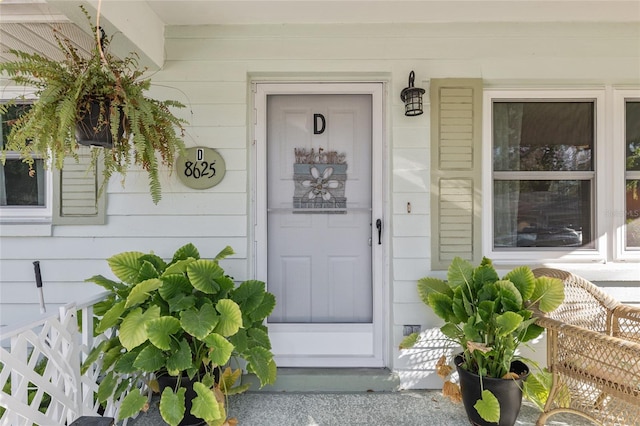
(171, 381)
(91, 132)
(507, 391)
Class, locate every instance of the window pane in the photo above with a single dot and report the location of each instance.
(543, 136)
(632, 207)
(13, 112)
(632, 132)
(542, 213)
(20, 188)
(633, 214)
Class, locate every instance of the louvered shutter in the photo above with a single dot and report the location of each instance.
(456, 138)
(75, 192)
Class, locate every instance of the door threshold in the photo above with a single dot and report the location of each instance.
(329, 380)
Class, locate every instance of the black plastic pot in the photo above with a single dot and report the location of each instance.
(190, 394)
(507, 391)
(90, 132)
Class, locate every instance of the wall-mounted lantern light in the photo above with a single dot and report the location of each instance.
(412, 98)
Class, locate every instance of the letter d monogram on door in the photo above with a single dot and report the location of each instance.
(323, 124)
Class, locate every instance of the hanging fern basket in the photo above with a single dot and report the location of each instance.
(94, 129)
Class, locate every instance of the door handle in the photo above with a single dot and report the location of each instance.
(379, 226)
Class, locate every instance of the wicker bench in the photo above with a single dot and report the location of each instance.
(593, 351)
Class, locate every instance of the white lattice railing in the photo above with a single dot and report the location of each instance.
(40, 377)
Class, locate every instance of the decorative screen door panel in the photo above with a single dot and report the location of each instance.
(319, 218)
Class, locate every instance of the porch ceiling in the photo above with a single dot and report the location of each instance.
(26, 24)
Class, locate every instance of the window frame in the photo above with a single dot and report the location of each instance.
(600, 180)
(27, 214)
(618, 216)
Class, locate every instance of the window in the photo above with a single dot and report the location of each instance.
(632, 173)
(541, 196)
(23, 193)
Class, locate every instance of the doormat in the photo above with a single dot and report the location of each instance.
(320, 178)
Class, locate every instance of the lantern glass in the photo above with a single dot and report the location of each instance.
(412, 98)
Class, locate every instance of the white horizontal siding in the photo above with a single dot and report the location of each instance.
(209, 69)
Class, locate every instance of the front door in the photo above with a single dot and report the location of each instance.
(322, 238)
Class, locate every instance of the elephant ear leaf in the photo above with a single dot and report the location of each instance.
(203, 274)
(488, 407)
(126, 266)
(227, 251)
(185, 252)
(549, 293)
(442, 306)
(429, 285)
(524, 280)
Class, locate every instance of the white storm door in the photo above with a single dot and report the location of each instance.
(322, 238)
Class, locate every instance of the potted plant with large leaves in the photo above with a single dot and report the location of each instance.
(96, 100)
(489, 317)
(183, 319)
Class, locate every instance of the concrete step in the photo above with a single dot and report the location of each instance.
(329, 380)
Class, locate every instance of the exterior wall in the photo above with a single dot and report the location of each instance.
(211, 69)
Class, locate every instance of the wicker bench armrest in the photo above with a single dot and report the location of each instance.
(585, 304)
(610, 361)
(626, 323)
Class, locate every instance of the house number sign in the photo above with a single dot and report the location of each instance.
(201, 167)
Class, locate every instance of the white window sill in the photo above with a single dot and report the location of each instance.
(21, 227)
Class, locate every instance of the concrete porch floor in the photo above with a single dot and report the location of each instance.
(402, 408)
(347, 397)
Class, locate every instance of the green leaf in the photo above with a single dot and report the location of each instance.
(484, 274)
(227, 251)
(174, 285)
(442, 305)
(182, 303)
(111, 317)
(510, 295)
(202, 274)
(409, 341)
(205, 405)
(132, 330)
(147, 269)
(132, 404)
(452, 331)
(125, 265)
(429, 285)
(536, 388)
(106, 283)
(460, 272)
(159, 331)
(199, 323)
(259, 337)
(107, 386)
(226, 285)
(220, 348)
(507, 323)
(142, 291)
(96, 352)
(172, 406)
(532, 331)
(230, 317)
(549, 293)
(524, 280)
(259, 360)
(156, 261)
(124, 364)
(178, 268)
(240, 340)
(150, 359)
(186, 251)
(180, 359)
(488, 407)
(265, 308)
